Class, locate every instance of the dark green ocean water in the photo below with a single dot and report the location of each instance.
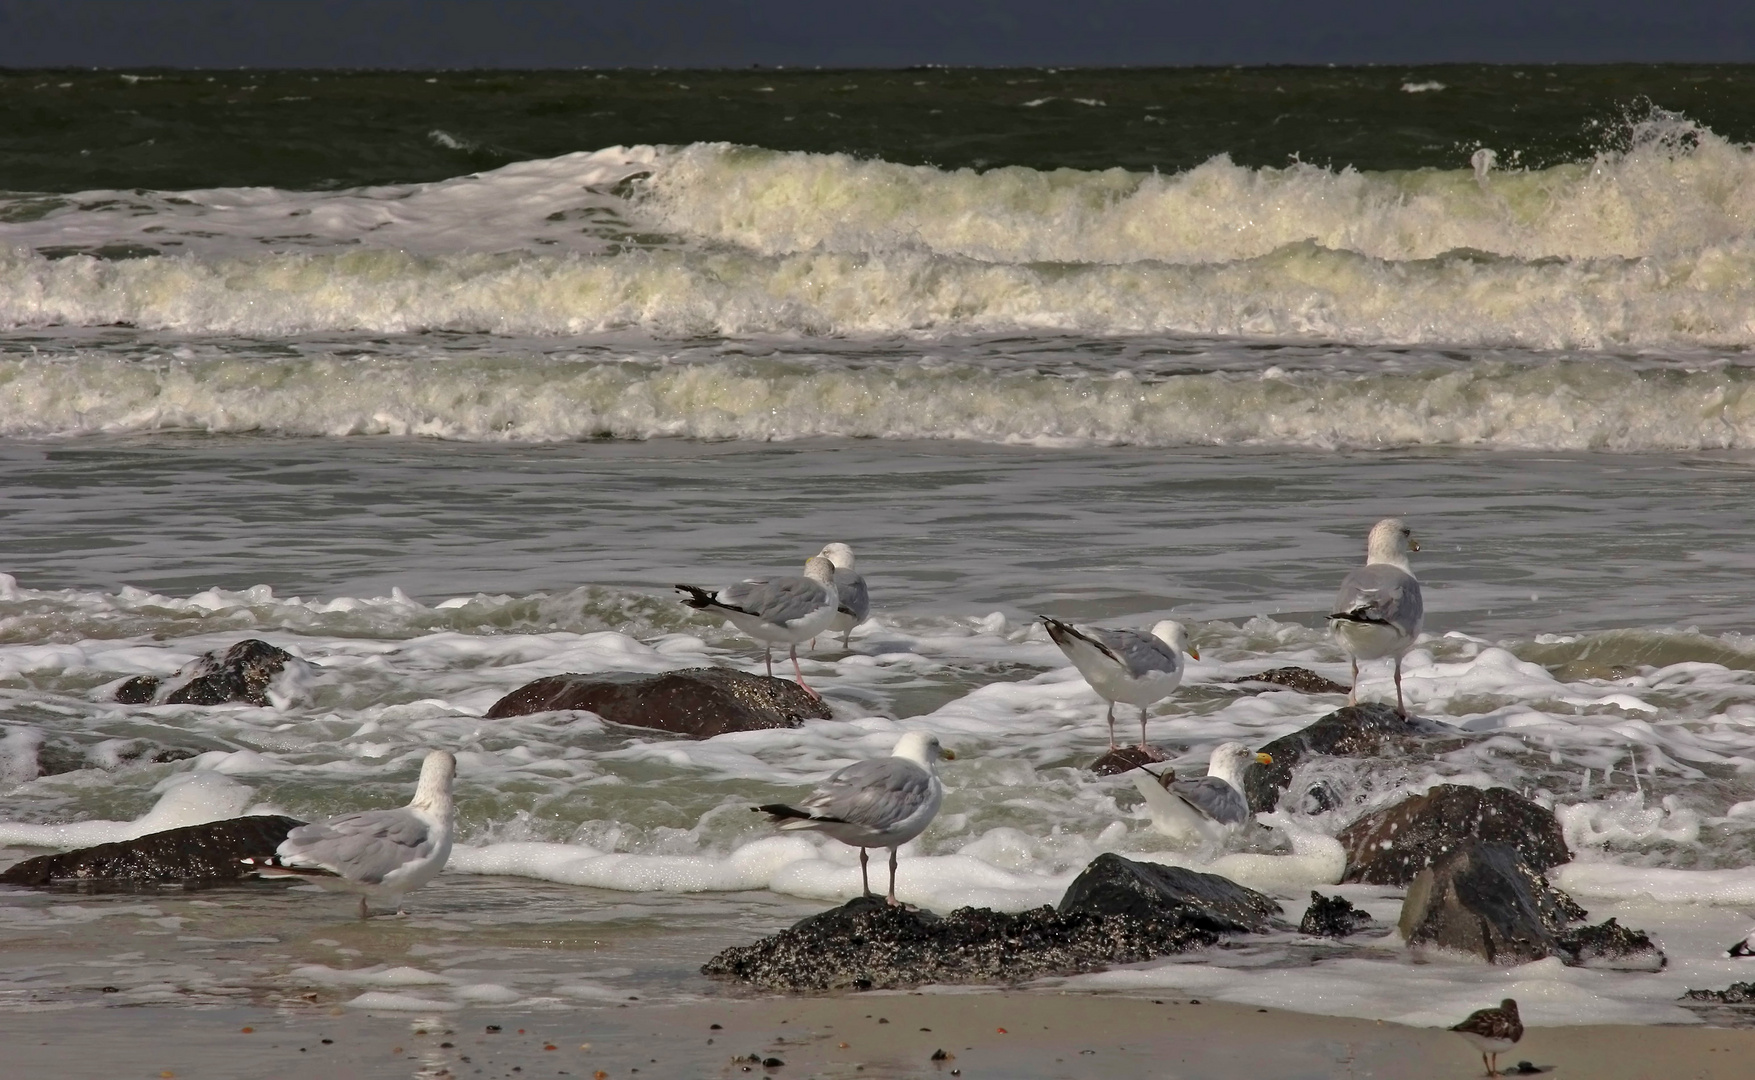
(169, 130)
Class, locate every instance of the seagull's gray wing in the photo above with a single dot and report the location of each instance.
(1380, 593)
(1138, 654)
(1214, 798)
(361, 847)
(777, 600)
(855, 601)
(877, 794)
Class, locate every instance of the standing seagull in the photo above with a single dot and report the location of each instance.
(376, 853)
(788, 609)
(1379, 610)
(855, 602)
(1492, 1031)
(1204, 809)
(1126, 666)
(880, 802)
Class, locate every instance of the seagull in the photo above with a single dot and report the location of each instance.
(376, 852)
(1127, 666)
(1746, 947)
(788, 609)
(1492, 1031)
(1204, 809)
(1379, 610)
(850, 584)
(880, 802)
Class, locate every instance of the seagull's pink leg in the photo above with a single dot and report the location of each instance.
(800, 673)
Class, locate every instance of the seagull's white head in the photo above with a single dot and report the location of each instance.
(1390, 542)
(820, 570)
(922, 748)
(436, 773)
(839, 554)
(1175, 635)
(1230, 759)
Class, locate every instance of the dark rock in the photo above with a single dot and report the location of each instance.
(1612, 945)
(243, 673)
(1390, 846)
(699, 702)
(1742, 993)
(1332, 916)
(140, 690)
(1112, 885)
(1300, 679)
(1485, 900)
(63, 756)
(1367, 730)
(1123, 758)
(867, 944)
(192, 854)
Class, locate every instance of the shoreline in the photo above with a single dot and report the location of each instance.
(1017, 1035)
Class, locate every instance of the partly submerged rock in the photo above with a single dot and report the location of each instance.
(1332, 916)
(1742, 993)
(1300, 679)
(866, 944)
(1609, 944)
(1367, 730)
(27, 752)
(1485, 900)
(1125, 758)
(1112, 885)
(194, 854)
(1117, 912)
(1390, 846)
(245, 672)
(699, 702)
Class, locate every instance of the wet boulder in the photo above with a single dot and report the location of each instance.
(1125, 758)
(699, 703)
(1612, 945)
(1112, 885)
(1300, 679)
(1390, 846)
(27, 753)
(1485, 900)
(1117, 912)
(1370, 730)
(1332, 916)
(243, 673)
(192, 855)
(1742, 993)
(866, 944)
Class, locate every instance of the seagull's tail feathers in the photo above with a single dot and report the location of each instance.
(790, 817)
(697, 597)
(271, 866)
(1360, 615)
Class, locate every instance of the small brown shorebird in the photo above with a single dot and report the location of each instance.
(1492, 1032)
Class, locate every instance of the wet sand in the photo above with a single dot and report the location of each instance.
(1019, 1036)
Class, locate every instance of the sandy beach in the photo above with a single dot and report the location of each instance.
(994, 1035)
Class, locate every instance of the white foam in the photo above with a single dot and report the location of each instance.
(377, 975)
(186, 799)
(384, 1001)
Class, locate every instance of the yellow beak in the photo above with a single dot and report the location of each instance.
(948, 755)
(1264, 759)
(1194, 652)
(1413, 545)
